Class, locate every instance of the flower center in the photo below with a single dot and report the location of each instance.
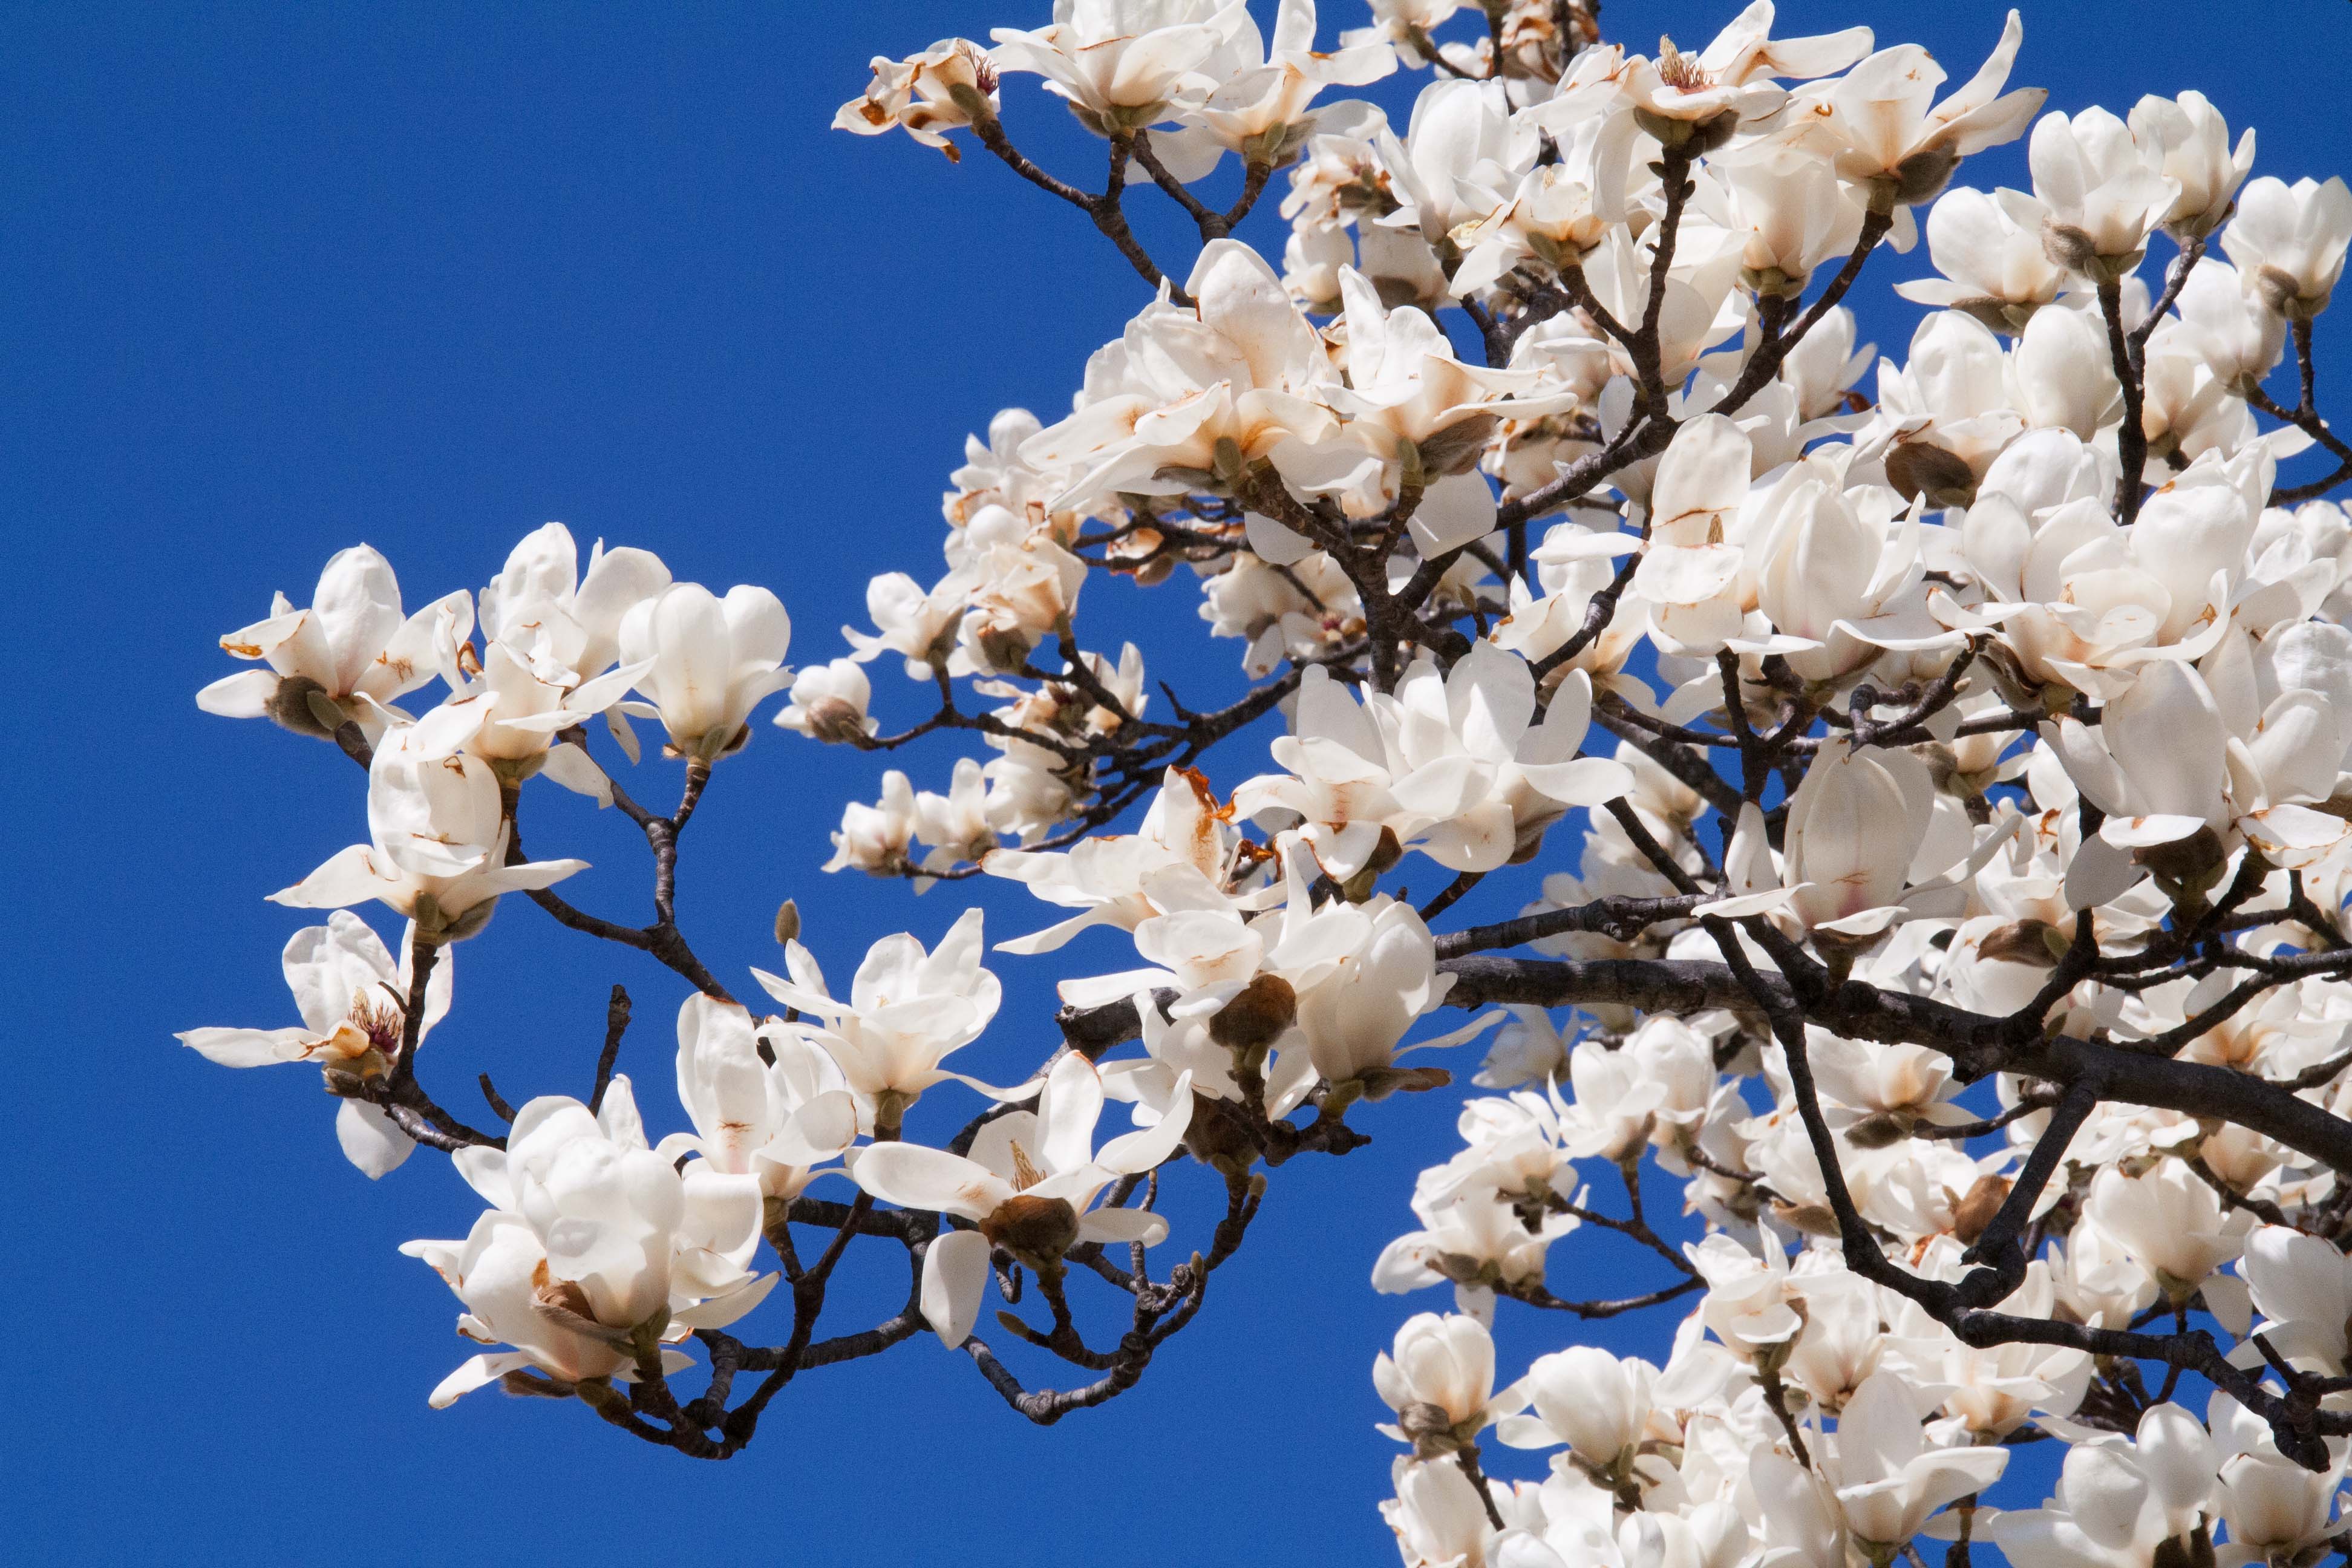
(1679, 71)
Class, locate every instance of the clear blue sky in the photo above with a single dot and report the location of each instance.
(282, 279)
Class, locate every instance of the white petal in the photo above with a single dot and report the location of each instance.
(476, 1372)
(1122, 1226)
(955, 1272)
(244, 695)
(370, 1138)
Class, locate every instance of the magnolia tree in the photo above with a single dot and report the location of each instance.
(1972, 718)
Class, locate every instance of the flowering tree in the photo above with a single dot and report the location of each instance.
(1982, 727)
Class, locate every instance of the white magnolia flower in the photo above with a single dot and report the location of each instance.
(565, 624)
(1407, 390)
(876, 838)
(2172, 1221)
(1462, 156)
(1477, 1244)
(942, 89)
(1994, 1390)
(353, 649)
(437, 844)
(828, 702)
(2102, 192)
(1441, 1383)
(1791, 215)
(1552, 215)
(2186, 140)
(1122, 65)
(595, 1244)
(711, 661)
(2240, 340)
(918, 624)
(772, 1121)
(2302, 1288)
(956, 824)
(2119, 1500)
(1259, 108)
(1880, 125)
(1405, 24)
(510, 716)
(1438, 1518)
(1887, 1478)
(2061, 377)
(1690, 566)
(353, 1000)
(2275, 1510)
(2098, 1279)
(1363, 976)
(1989, 249)
(2288, 242)
(1596, 1403)
(1185, 846)
(1242, 367)
(1947, 412)
(1857, 828)
(1733, 75)
(2164, 766)
(907, 1010)
(1803, 1525)
(1027, 1187)
(1455, 766)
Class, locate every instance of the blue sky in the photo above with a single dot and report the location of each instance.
(283, 279)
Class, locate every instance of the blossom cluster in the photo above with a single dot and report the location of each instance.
(1924, 776)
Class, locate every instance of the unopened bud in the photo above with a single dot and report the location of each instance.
(788, 922)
